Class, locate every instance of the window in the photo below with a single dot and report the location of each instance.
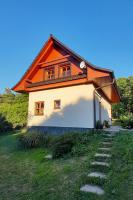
(57, 104)
(49, 73)
(65, 70)
(39, 108)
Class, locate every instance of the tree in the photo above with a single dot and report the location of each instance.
(125, 107)
(14, 107)
(4, 125)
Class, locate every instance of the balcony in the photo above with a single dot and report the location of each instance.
(57, 80)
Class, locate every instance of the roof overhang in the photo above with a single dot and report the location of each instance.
(107, 86)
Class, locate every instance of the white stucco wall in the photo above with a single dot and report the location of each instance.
(97, 107)
(105, 109)
(76, 107)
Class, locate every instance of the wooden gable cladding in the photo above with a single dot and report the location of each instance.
(94, 73)
(55, 53)
(53, 56)
(40, 74)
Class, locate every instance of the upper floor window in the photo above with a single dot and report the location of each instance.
(65, 70)
(49, 73)
(39, 108)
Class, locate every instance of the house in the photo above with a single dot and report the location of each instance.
(66, 92)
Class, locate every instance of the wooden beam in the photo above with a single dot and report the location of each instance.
(54, 61)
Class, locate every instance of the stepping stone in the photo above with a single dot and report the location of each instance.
(105, 149)
(108, 135)
(106, 143)
(100, 163)
(97, 175)
(49, 156)
(92, 189)
(102, 155)
(108, 139)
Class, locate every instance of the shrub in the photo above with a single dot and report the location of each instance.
(82, 138)
(74, 143)
(62, 145)
(127, 121)
(15, 108)
(79, 149)
(4, 124)
(106, 124)
(99, 125)
(33, 140)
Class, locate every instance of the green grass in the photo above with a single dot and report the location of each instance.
(116, 122)
(26, 175)
(120, 179)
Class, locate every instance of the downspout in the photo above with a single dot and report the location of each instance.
(94, 99)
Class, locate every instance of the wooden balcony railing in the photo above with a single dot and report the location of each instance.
(57, 80)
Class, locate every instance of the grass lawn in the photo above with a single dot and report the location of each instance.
(26, 175)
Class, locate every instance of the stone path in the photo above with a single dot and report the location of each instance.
(105, 149)
(93, 189)
(48, 156)
(102, 155)
(115, 129)
(97, 174)
(101, 161)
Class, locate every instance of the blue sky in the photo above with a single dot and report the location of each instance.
(99, 30)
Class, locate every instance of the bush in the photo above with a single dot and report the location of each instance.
(82, 137)
(99, 125)
(79, 149)
(62, 145)
(15, 108)
(4, 125)
(106, 124)
(74, 143)
(127, 121)
(33, 140)
(83, 140)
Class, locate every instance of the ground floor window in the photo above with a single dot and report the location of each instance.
(39, 108)
(57, 104)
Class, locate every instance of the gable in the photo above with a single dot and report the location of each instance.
(54, 55)
(51, 54)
